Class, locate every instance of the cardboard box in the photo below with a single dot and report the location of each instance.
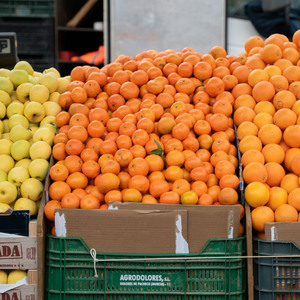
(204, 222)
(125, 231)
(283, 231)
(149, 228)
(27, 253)
(27, 291)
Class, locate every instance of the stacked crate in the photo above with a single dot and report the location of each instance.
(33, 23)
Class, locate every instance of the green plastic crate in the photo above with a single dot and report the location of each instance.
(217, 272)
(26, 8)
(276, 276)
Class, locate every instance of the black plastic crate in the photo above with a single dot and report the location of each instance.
(276, 276)
(35, 36)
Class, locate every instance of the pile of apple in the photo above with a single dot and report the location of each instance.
(28, 107)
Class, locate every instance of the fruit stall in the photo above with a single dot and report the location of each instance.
(163, 174)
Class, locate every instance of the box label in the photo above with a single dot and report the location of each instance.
(151, 280)
(10, 250)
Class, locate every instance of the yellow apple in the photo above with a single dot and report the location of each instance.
(39, 93)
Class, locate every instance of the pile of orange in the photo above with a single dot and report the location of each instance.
(155, 128)
(267, 116)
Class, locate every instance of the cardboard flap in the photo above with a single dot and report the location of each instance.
(283, 231)
(204, 222)
(130, 231)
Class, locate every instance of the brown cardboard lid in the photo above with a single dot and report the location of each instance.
(125, 231)
(283, 231)
(204, 221)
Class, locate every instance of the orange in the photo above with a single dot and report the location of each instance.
(140, 183)
(70, 200)
(286, 213)
(224, 167)
(73, 147)
(181, 186)
(255, 171)
(148, 199)
(273, 153)
(89, 202)
(158, 187)
(214, 86)
(138, 166)
(229, 180)
(169, 198)
(78, 133)
(275, 172)
(270, 134)
(173, 173)
(58, 189)
(250, 142)
(257, 194)
(278, 196)
(77, 180)
(106, 182)
(175, 158)
(58, 172)
(131, 195)
(189, 198)
(219, 122)
(243, 114)
(294, 198)
(261, 215)
(124, 179)
(291, 136)
(50, 207)
(280, 83)
(228, 196)
(263, 91)
(262, 119)
(295, 164)
(284, 99)
(289, 182)
(270, 53)
(253, 41)
(264, 106)
(90, 168)
(111, 166)
(246, 128)
(113, 195)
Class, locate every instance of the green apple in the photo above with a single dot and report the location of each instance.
(5, 146)
(3, 110)
(32, 188)
(63, 83)
(3, 208)
(40, 149)
(4, 72)
(24, 65)
(17, 175)
(49, 80)
(20, 149)
(15, 108)
(3, 176)
(38, 168)
(6, 85)
(34, 112)
(25, 162)
(4, 97)
(23, 91)
(44, 134)
(48, 120)
(53, 97)
(26, 204)
(33, 79)
(39, 93)
(7, 162)
(5, 136)
(8, 192)
(37, 74)
(53, 70)
(19, 132)
(51, 108)
(18, 76)
(18, 120)
(33, 129)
